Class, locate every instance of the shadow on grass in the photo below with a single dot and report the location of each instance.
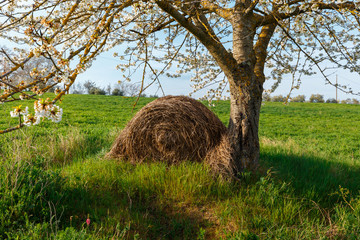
(127, 208)
(127, 205)
(311, 177)
(123, 200)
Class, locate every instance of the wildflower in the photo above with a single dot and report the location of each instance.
(88, 221)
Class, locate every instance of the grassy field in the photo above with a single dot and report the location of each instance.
(54, 176)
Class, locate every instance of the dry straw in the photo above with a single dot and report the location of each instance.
(174, 129)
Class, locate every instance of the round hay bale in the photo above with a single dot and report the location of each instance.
(173, 129)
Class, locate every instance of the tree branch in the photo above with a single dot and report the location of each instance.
(261, 49)
(316, 63)
(12, 128)
(212, 7)
(277, 16)
(225, 59)
(251, 7)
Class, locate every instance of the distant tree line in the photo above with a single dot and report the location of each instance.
(120, 89)
(314, 98)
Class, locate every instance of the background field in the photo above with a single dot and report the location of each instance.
(53, 177)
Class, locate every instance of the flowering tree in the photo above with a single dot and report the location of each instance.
(224, 43)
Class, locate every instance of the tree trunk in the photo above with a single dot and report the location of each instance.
(245, 106)
(244, 69)
(246, 96)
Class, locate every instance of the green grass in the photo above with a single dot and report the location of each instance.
(54, 176)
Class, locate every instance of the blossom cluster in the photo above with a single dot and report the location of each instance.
(18, 111)
(43, 109)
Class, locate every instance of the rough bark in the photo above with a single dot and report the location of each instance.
(245, 106)
(245, 94)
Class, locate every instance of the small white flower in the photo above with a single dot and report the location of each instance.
(18, 111)
(30, 119)
(14, 113)
(315, 7)
(65, 78)
(22, 96)
(55, 113)
(37, 52)
(40, 108)
(303, 7)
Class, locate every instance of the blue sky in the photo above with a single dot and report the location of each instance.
(103, 72)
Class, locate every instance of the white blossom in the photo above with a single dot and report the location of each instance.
(41, 109)
(45, 109)
(55, 113)
(18, 111)
(30, 120)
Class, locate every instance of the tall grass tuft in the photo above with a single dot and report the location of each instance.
(26, 191)
(62, 149)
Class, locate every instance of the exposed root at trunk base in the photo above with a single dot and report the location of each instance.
(174, 129)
